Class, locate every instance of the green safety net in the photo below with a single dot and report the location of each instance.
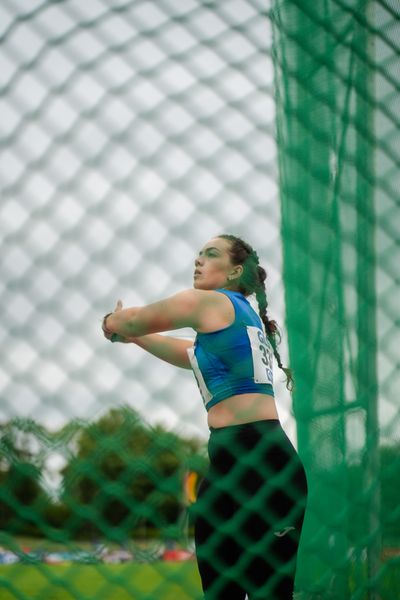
(338, 139)
(131, 133)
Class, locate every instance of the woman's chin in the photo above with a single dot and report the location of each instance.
(199, 285)
(203, 286)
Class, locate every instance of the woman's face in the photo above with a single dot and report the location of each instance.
(213, 266)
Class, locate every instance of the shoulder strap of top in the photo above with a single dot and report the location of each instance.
(235, 298)
(240, 303)
(227, 292)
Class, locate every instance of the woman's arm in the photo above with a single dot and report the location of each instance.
(170, 349)
(185, 309)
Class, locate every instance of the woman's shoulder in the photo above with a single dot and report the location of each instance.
(219, 299)
(214, 310)
(198, 299)
(204, 295)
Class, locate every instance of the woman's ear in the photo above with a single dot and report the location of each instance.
(236, 272)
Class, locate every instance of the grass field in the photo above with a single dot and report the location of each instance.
(158, 581)
(132, 581)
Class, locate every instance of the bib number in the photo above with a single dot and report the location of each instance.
(262, 355)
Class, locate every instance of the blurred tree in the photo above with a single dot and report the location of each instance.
(125, 475)
(22, 497)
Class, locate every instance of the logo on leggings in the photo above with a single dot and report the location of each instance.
(284, 531)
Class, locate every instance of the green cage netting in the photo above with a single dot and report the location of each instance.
(132, 132)
(338, 150)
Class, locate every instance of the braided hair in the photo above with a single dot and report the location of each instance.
(252, 281)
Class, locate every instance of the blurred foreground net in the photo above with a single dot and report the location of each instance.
(131, 132)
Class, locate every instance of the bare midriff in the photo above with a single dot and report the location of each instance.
(242, 408)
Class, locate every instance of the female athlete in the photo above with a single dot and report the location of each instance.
(250, 507)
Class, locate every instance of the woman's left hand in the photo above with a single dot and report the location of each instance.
(110, 335)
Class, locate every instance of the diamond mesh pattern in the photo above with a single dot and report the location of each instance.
(133, 131)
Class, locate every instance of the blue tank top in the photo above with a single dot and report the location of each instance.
(233, 360)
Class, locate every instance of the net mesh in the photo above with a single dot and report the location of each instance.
(131, 133)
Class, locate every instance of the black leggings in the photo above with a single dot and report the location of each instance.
(249, 514)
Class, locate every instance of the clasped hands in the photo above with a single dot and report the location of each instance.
(110, 335)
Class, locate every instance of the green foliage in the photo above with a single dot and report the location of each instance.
(127, 473)
(22, 497)
(123, 477)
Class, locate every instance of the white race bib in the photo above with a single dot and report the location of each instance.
(204, 391)
(262, 354)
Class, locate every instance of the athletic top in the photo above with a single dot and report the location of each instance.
(233, 360)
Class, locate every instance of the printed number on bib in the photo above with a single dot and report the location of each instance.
(262, 354)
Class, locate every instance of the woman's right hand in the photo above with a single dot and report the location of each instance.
(114, 337)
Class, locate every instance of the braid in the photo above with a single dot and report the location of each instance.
(271, 327)
(252, 281)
